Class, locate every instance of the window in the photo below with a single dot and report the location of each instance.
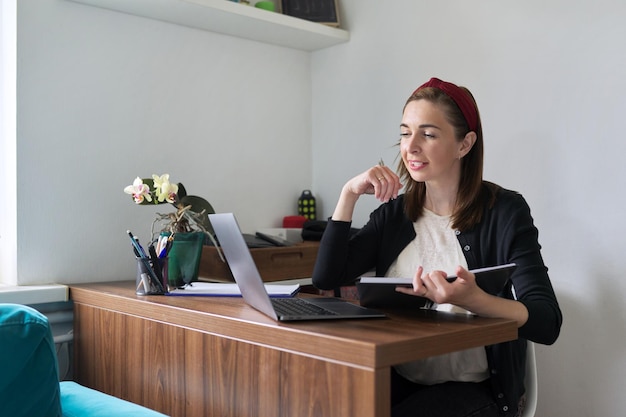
(8, 142)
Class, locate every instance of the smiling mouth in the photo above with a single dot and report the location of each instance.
(417, 164)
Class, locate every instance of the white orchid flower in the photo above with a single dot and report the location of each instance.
(139, 191)
(165, 190)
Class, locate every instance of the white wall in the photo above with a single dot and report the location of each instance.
(549, 81)
(103, 97)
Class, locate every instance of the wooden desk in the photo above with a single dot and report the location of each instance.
(200, 356)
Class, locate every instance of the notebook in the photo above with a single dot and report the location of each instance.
(253, 291)
(380, 292)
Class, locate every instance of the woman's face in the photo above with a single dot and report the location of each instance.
(428, 146)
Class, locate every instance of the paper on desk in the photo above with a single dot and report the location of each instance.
(211, 289)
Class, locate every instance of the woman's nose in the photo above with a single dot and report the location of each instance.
(413, 144)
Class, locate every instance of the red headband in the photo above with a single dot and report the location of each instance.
(459, 96)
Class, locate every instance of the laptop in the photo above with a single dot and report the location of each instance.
(253, 291)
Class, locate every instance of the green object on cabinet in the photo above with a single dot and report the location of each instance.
(184, 258)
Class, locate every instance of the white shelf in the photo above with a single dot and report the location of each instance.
(234, 19)
(33, 294)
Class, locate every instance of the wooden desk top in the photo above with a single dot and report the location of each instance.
(371, 343)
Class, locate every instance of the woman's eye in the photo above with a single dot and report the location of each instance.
(429, 135)
(405, 134)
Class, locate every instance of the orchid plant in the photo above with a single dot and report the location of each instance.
(191, 211)
(163, 190)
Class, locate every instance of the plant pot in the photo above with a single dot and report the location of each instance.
(184, 258)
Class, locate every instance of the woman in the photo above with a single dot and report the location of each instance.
(448, 221)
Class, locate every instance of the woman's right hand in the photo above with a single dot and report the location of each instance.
(379, 180)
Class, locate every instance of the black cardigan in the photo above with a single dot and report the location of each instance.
(505, 234)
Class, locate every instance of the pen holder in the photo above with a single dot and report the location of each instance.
(147, 273)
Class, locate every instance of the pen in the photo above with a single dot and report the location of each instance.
(140, 252)
(166, 246)
(381, 163)
(162, 247)
(156, 264)
(159, 245)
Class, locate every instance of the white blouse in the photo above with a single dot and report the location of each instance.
(436, 247)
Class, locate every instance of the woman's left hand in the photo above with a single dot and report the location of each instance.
(436, 288)
(465, 293)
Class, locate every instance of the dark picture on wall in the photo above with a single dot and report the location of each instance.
(319, 11)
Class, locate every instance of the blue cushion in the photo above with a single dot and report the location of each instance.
(29, 376)
(79, 401)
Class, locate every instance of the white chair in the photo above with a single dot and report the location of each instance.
(530, 381)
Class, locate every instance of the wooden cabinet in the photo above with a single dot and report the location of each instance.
(273, 263)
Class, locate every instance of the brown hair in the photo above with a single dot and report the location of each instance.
(470, 201)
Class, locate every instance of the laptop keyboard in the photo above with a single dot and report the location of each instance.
(299, 307)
